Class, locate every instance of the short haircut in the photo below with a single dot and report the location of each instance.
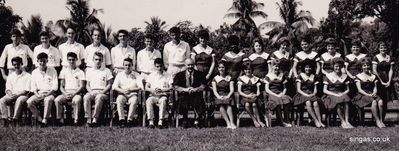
(175, 30)
(203, 34)
(283, 40)
(158, 61)
(72, 54)
(71, 27)
(17, 60)
(381, 43)
(123, 32)
(15, 32)
(233, 40)
(247, 66)
(338, 61)
(95, 29)
(258, 40)
(128, 60)
(99, 54)
(44, 33)
(306, 39)
(149, 36)
(356, 43)
(42, 56)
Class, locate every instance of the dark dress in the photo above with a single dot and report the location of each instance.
(223, 89)
(368, 84)
(234, 63)
(302, 57)
(276, 85)
(383, 67)
(326, 59)
(285, 60)
(335, 85)
(248, 86)
(259, 64)
(203, 58)
(307, 86)
(353, 63)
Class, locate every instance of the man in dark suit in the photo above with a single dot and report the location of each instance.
(189, 84)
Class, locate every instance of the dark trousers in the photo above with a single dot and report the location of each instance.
(193, 100)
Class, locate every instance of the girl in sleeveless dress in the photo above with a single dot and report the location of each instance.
(306, 93)
(366, 84)
(223, 89)
(336, 88)
(277, 98)
(249, 90)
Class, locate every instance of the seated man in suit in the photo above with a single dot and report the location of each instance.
(189, 84)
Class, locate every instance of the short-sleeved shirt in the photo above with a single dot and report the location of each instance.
(97, 78)
(72, 78)
(89, 54)
(276, 82)
(259, 63)
(54, 55)
(18, 83)
(10, 52)
(126, 81)
(176, 54)
(157, 80)
(307, 82)
(76, 48)
(119, 53)
(249, 85)
(145, 60)
(44, 81)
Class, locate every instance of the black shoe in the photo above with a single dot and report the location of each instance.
(122, 123)
(6, 123)
(129, 123)
(42, 125)
(185, 124)
(151, 126)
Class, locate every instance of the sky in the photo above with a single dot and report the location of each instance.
(126, 14)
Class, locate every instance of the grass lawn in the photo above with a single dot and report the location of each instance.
(248, 138)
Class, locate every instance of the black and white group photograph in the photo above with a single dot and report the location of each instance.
(199, 75)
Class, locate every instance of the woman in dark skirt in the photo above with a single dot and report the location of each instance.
(203, 55)
(249, 90)
(234, 58)
(326, 58)
(275, 88)
(336, 88)
(306, 93)
(382, 68)
(304, 56)
(366, 83)
(223, 89)
(352, 61)
(259, 59)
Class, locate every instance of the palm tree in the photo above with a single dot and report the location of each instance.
(294, 22)
(84, 19)
(245, 10)
(156, 27)
(32, 30)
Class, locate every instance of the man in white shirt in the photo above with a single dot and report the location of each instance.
(96, 46)
(44, 83)
(54, 55)
(17, 88)
(159, 84)
(98, 85)
(126, 85)
(71, 86)
(175, 52)
(146, 56)
(15, 49)
(122, 51)
(71, 46)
